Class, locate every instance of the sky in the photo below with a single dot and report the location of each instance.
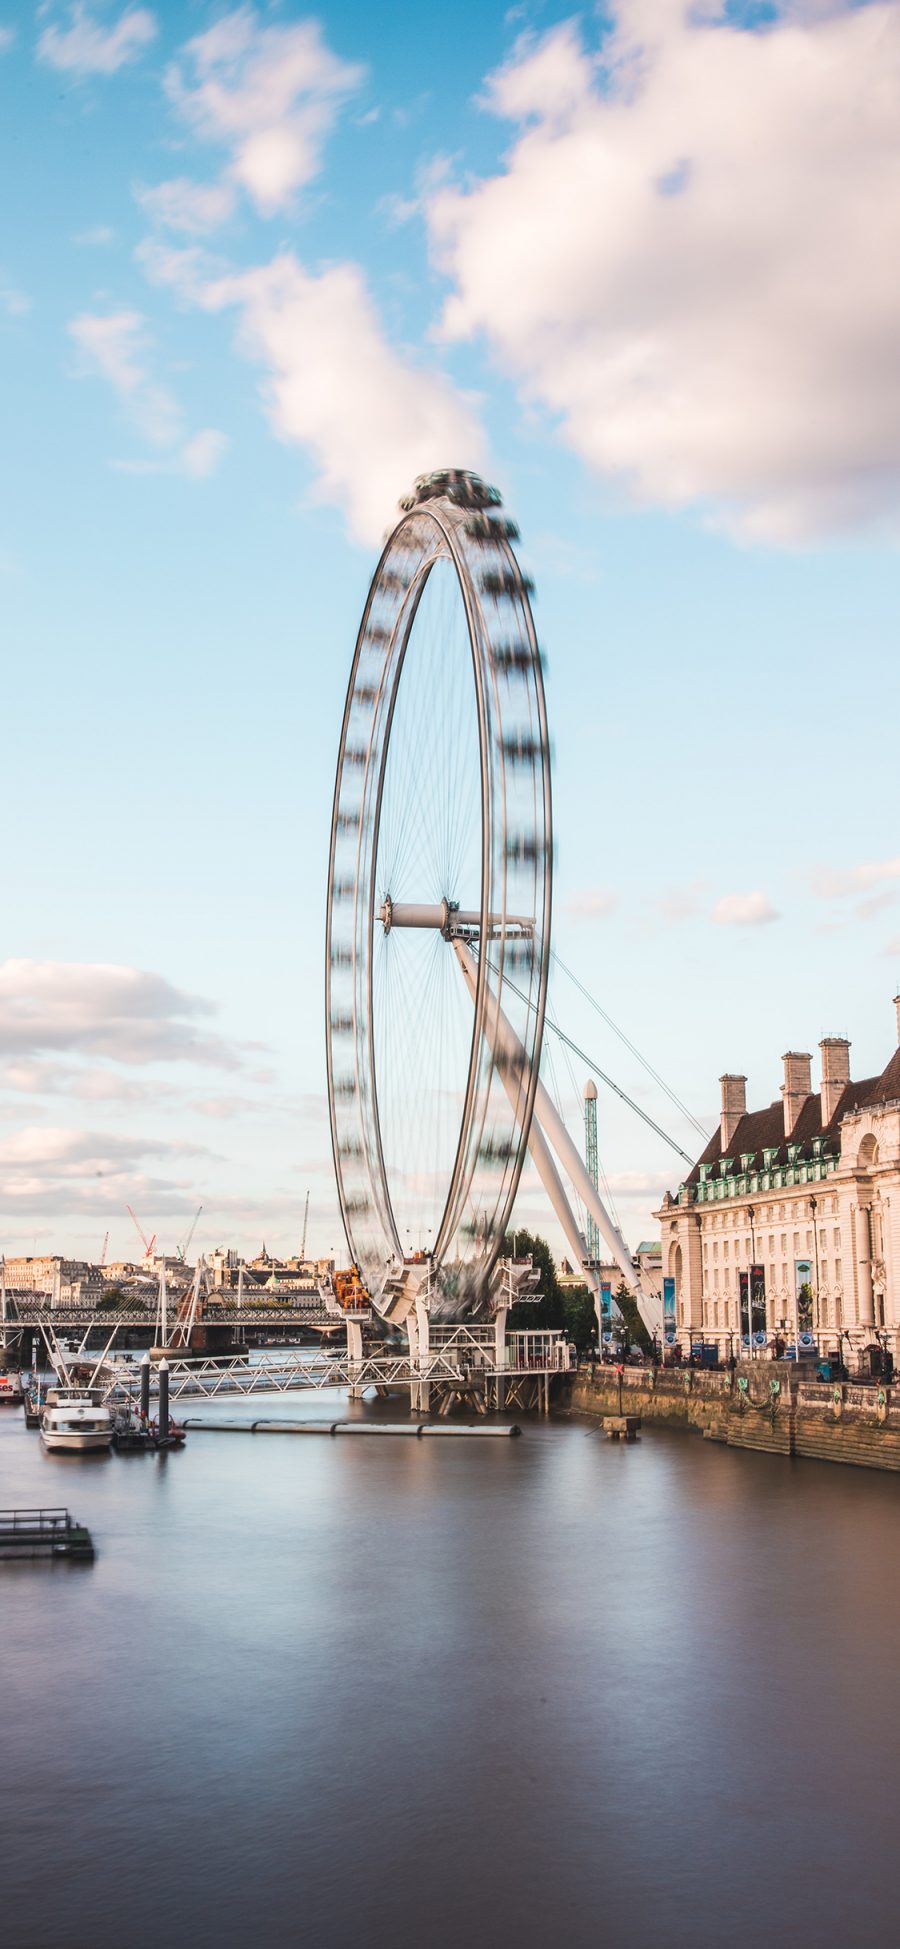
(259, 267)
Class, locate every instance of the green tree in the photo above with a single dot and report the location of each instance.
(580, 1314)
(549, 1308)
(634, 1325)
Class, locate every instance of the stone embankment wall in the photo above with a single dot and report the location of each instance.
(764, 1405)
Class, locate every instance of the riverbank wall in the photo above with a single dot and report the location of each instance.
(765, 1405)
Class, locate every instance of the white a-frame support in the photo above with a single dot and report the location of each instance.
(547, 1128)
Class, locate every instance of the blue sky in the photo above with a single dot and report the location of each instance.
(258, 267)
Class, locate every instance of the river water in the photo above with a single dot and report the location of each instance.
(546, 1691)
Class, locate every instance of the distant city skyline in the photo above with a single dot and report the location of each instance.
(261, 267)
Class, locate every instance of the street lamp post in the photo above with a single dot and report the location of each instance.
(813, 1207)
(751, 1214)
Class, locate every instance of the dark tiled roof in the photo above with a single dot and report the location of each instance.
(887, 1088)
(760, 1130)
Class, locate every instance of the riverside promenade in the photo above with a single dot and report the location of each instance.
(762, 1404)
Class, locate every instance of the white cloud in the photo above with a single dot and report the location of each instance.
(51, 1169)
(100, 1009)
(73, 1152)
(876, 904)
(183, 205)
(744, 910)
(115, 344)
(638, 1184)
(680, 903)
(268, 94)
(197, 459)
(592, 903)
(7, 37)
(202, 454)
(87, 47)
(13, 301)
(835, 882)
(95, 238)
(369, 417)
(684, 258)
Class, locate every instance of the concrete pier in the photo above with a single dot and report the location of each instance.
(415, 1429)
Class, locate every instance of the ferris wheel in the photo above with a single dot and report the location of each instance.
(439, 897)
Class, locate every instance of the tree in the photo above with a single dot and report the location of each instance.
(549, 1308)
(634, 1325)
(581, 1315)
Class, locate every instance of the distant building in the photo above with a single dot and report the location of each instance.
(792, 1213)
(63, 1281)
(265, 1273)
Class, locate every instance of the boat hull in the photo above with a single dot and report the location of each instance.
(77, 1440)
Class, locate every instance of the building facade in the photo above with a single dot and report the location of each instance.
(790, 1220)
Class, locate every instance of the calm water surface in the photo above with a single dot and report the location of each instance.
(383, 1692)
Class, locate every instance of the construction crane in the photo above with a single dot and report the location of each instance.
(305, 1222)
(147, 1243)
(104, 1249)
(184, 1247)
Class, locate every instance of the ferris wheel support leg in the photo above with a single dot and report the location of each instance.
(420, 1391)
(506, 1045)
(354, 1352)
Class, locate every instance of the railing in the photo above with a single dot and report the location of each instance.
(743, 1184)
(282, 1373)
(48, 1521)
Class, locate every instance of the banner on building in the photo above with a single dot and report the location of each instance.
(669, 1309)
(803, 1289)
(755, 1280)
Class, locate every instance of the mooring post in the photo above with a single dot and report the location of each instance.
(163, 1371)
(145, 1388)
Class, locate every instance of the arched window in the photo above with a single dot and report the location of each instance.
(867, 1155)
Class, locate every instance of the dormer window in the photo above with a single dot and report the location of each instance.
(747, 1157)
(769, 1156)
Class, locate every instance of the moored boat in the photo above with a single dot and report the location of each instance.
(76, 1419)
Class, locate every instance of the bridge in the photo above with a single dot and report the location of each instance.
(38, 1311)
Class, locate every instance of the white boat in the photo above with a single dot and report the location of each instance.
(75, 1418)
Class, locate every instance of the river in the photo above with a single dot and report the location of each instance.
(547, 1691)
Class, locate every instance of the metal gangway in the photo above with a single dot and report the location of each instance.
(536, 1356)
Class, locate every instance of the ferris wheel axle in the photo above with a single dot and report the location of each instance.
(445, 918)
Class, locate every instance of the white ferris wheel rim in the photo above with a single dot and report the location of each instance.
(514, 768)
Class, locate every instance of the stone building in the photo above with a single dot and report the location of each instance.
(48, 1273)
(792, 1213)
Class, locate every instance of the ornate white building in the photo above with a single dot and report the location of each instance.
(797, 1205)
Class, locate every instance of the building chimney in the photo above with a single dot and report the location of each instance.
(797, 1086)
(734, 1105)
(897, 1007)
(835, 1050)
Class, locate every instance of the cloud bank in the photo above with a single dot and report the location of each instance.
(98, 1009)
(686, 257)
(269, 96)
(369, 417)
